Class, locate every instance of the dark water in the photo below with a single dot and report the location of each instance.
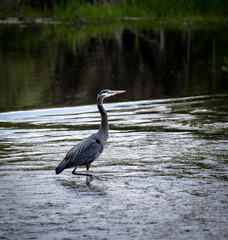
(58, 65)
(163, 174)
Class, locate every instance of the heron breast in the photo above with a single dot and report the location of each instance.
(99, 142)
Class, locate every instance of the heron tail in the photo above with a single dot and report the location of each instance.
(61, 167)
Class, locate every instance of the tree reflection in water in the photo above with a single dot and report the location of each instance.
(44, 66)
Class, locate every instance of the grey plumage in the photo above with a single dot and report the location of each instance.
(83, 153)
(90, 148)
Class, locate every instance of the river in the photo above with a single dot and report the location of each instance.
(162, 175)
(164, 172)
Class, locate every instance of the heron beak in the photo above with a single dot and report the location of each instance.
(118, 92)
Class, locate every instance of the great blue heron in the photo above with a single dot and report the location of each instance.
(85, 152)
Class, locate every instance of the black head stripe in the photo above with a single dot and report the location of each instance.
(104, 91)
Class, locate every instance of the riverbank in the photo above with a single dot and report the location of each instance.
(166, 11)
(78, 12)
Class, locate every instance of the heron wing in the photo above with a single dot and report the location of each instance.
(83, 153)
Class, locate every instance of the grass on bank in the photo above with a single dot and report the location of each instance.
(176, 10)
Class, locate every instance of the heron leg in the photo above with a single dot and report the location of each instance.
(87, 168)
(73, 172)
(83, 174)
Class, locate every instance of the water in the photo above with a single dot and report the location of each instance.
(163, 174)
(45, 66)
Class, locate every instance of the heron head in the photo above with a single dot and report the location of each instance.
(108, 93)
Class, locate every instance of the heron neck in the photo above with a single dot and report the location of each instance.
(104, 117)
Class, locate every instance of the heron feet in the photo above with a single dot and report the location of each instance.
(85, 174)
(82, 174)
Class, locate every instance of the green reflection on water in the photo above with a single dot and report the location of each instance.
(63, 65)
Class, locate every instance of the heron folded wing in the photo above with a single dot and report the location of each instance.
(83, 153)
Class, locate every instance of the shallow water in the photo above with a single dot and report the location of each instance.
(163, 174)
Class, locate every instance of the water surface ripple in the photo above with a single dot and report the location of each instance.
(163, 174)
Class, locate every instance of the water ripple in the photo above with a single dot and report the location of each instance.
(165, 164)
